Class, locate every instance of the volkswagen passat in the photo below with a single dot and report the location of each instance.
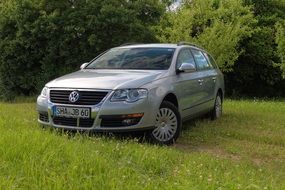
(151, 87)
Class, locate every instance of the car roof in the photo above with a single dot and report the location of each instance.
(158, 45)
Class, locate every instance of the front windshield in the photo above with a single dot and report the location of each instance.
(134, 58)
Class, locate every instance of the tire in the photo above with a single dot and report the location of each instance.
(217, 111)
(167, 125)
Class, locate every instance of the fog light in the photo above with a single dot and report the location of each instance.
(121, 120)
(129, 122)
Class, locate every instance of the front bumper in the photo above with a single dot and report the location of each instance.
(104, 108)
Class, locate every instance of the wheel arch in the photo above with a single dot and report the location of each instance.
(171, 97)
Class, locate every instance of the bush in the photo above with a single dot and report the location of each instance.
(218, 26)
(280, 40)
(245, 36)
(258, 70)
(42, 39)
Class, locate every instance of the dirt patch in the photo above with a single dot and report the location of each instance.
(212, 150)
(219, 152)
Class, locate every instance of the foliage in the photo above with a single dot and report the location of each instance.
(246, 38)
(280, 40)
(258, 71)
(42, 39)
(218, 26)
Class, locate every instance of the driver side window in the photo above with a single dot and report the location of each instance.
(185, 56)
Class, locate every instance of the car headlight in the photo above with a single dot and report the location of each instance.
(44, 92)
(129, 95)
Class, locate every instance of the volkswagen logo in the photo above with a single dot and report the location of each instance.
(74, 96)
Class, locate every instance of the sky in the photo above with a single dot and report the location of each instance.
(175, 5)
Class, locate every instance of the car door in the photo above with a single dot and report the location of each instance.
(187, 86)
(208, 79)
(213, 75)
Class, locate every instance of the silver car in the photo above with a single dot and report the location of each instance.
(149, 87)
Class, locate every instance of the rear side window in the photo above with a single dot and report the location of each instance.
(201, 61)
(211, 60)
(185, 56)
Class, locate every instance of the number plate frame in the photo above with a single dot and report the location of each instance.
(72, 112)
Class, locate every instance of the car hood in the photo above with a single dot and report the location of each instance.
(107, 79)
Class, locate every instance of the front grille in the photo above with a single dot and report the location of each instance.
(72, 122)
(44, 117)
(85, 97)
(118, 122)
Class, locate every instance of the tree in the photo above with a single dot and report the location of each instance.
(246, 37)
(258, 70)
(280, 40)
(42, 39)
(216, 25)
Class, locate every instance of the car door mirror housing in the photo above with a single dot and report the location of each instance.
(83, 65)
(186, 68)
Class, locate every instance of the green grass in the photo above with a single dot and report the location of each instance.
(245, 149)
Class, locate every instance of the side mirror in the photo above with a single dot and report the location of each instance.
(187, 68)
(83, 65)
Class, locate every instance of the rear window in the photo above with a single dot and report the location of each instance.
(211, 60)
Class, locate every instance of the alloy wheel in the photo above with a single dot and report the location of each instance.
(218, 107)
(166, 125)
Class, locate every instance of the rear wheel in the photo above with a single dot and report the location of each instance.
(167, 124)
(218, 108)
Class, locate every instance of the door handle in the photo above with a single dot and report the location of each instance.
(200, 81)
(214, 79)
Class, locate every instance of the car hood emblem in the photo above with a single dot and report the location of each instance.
(74, 96)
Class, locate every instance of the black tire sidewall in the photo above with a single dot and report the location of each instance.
(214, 113)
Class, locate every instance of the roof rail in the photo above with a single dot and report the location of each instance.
(190, 44)
(130, 43)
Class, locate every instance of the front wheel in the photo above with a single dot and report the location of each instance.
(167, 124)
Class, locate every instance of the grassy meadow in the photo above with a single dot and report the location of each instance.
(245, 149)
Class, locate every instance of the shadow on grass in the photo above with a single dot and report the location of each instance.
(142, 137)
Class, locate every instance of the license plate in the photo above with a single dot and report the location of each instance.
(72, 112)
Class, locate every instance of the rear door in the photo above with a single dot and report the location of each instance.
(208, 79)
(214, 74)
